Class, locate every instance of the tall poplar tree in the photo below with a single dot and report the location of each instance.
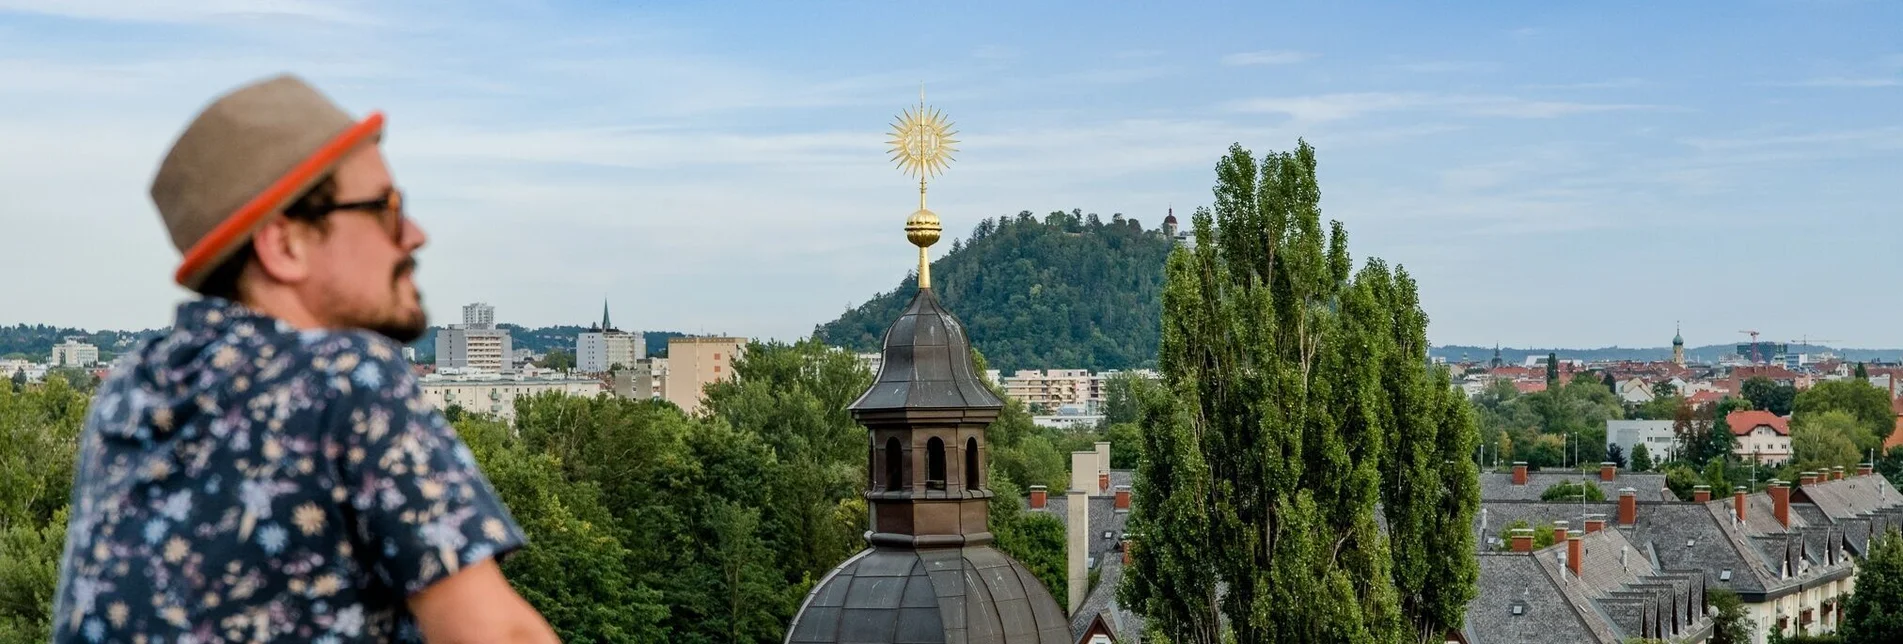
(1286, 379)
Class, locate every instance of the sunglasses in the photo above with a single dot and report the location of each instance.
(388, 210)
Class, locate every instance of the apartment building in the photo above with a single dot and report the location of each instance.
(491, 393)
(73, 353)
(476, 344)
(693, 362)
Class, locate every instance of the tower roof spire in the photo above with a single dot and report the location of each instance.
(604, 315)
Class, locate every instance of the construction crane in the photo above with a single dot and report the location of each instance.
(1754, 346)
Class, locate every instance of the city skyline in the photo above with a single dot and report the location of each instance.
(1543, 172)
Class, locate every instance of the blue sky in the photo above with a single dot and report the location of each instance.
(1577, 175)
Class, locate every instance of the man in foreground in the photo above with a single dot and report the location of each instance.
(269, 470)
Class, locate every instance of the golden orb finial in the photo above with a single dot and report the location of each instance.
(922, 145)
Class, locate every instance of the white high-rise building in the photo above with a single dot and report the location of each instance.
(73, 353)
(476, 344)
(479, 316)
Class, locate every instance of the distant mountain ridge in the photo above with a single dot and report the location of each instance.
(1707, 353)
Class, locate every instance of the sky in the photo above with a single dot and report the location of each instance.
(1553, 174)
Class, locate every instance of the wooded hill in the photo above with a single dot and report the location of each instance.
(1070, 291)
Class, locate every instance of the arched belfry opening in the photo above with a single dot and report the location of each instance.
(935, 464)
(894, 465)
(971, 464)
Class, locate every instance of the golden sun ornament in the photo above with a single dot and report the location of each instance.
(922, 142)
(922, 145)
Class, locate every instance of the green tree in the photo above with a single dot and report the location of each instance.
(1615, 455)
(1732, 625)
(559, 359)
(1552, 369)
(1891, 465)
(1126, 445)
(1681, 478)
(1869, 404)
(1120, 404)
(1280, 381)
(1543, 534)
(29, 572)
(1874, 613)
(1767, 395)
(1718, 475)
(1823, 440)
(793, 397)
(1641, 458)
(1861, 373)
(1571, 491)
(1430, 488)
(576, 571)
(1658, 408)
(1702, 436)
(1664, 390)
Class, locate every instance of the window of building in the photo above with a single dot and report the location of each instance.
(971, 464)
(935, 464)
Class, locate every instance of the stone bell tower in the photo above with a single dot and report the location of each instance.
(929, 574)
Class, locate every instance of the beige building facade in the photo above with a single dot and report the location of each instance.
(496, 394)
(73, 353)
(693, 362)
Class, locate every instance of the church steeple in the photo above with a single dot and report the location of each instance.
(930, 573)
(605, 325)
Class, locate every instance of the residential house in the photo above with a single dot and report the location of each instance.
(1762, 436)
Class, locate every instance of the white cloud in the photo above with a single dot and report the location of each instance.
(1616, 83)
(1268, 57)
(1447, 66)
(1120, 76)
(1329, 107)
(1847, 81)
(224, 12)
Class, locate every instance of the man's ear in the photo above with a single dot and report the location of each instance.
(284, 250)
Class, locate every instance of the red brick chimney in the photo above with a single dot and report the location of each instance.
(1807, 479)
(1519, 472)
(1575, 554)
(1559, 532)
(1523, 540)
(1039, 494)
(1737, 501)
(1701, 493)
(1608, 471)
(1595, 523)
(1781, 503)
(1103, 481)
(1837, 473)
(1628, 506)
(1123, 498)
(1864, 469)
(1126, 552)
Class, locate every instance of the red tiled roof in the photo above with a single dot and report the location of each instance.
(1742, 422)
(1705, 397)
(1529, 386)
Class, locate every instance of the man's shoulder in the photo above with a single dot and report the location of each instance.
(359, 361)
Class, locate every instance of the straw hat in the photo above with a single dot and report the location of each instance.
(245, 157)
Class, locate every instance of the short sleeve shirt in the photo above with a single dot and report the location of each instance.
(239, 480)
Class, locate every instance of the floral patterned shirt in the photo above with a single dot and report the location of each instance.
(240, 480)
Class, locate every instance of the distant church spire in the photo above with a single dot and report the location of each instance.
(604, 315)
